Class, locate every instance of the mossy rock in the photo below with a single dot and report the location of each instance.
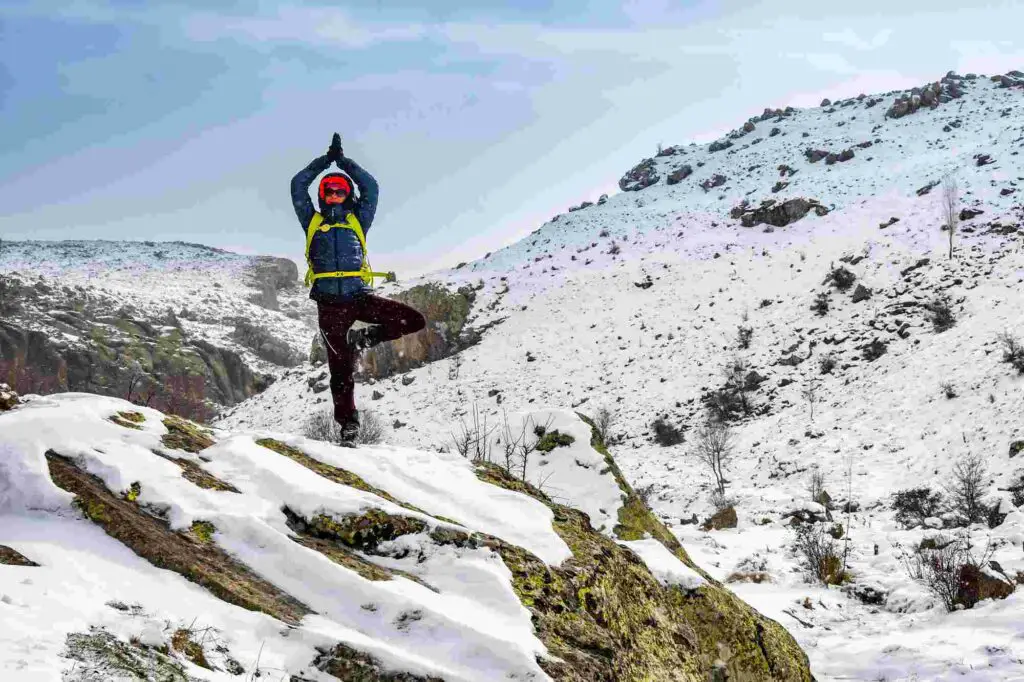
(185, 553)
(185, 435)
(202, 531)
(365, 531)
(331, 473)
(1016, 447)
(99, 655)
(346, 663)
(10, 557)
(129, 420)
(606, 617)
(722, 519)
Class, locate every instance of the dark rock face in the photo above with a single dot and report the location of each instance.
(90, 345)
(716, 180)
(780, 215)
(641, 176)
(679, 174)
(279, 273)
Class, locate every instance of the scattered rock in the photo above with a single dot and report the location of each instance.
(826, 102)
(1016, 447)
(376, 395)
(983, 159)
(774, 132)
(968, 213)
(892, 221)
(10, 557)
(8, 398)
(815, 155)
(975, 584)
(927, 188)
(719, 145)
(408, 379)
(861, 293)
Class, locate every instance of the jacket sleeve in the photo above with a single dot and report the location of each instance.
(368, 192)
(300, 189)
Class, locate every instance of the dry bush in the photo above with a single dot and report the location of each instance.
(940, 565)
(1013, 352)
(603, 420)
(966, 488)
(665, 433)
(473, 440)
(819, 554)
(321, 426)
(816, 484)
(950, 205)
(714, 447)
(914, 505)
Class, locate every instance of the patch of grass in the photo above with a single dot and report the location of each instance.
(129, 420)
(133, 492)
(203, 531)
(182, 641)
(99, 655)
(553, 439)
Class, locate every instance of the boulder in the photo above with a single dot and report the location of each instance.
(279, 273)
(716, 180)
(726, 518)
(861, 293)
(815, 155)
(975, 584)
(641, 176)
(8, 398)
(679, 174)
(780, 215)
(719, 145)
(1016, 447)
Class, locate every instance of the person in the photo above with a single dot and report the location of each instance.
(339, 276)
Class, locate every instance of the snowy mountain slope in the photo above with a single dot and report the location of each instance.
(205, 289)
(346, 563)
(646, 327)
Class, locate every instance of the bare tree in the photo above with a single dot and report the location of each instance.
(950, 206)
(603, 420)
(816, 484)
(810, 391)
(714, 447)
(966, 488)
(519, 444)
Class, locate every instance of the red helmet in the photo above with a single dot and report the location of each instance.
(335, 181)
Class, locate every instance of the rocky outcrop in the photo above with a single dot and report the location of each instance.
(641, 176)
(776, 214)
(930, 96)
(279, 273)
(81, 342)
(719, 145)
(679, 174)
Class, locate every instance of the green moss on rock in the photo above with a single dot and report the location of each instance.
(129, 420)
(331, 473)
(185, 435)
(554, 439)
(203, 531)
(99, 655)
(607, 618)
(10, 557)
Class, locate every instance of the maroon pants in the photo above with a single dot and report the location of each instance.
(394, 320)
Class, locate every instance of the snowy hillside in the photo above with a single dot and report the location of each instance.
(635, 304)
(136, 546)
(203, 288)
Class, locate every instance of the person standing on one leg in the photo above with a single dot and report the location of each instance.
(339, 273)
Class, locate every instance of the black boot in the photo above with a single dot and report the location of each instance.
(349, 433)
(362, 338)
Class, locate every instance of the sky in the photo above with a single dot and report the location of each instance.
(147, 120)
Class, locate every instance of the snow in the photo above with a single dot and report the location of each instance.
(666, 566)
(473, 628)
(599, 340)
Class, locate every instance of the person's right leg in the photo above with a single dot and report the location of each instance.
(335, 320)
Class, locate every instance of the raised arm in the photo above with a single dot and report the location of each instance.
(300, 189)
(368, 191)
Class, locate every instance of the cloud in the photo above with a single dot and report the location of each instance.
(292, 23)
(850, 38)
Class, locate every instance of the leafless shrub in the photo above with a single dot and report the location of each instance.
(942, 314)
(720, 501)
(645, 492)
(743, 336)
(810, 392)
(939, 563)
(321, 426)
(821, 303)
(603, 420)
(950, 208)
(816, 484)
(519, 444)
(1013, 351)
(819, 553)
(714, 447)
(614, 248)
(665, 433)
(473, 440)
(948, 389)
(965, 488)
(827, 364)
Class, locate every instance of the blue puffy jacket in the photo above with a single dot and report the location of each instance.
(336, 250)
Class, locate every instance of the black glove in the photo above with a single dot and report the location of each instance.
(334, 152)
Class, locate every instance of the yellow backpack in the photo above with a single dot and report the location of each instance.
(365, 272)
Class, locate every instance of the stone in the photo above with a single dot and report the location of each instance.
(1016, 447)
(861, 293)
(679, 174)
(641, 176)
(975, 585)
(726, 518)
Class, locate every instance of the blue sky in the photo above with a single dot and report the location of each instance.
(132, 119)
